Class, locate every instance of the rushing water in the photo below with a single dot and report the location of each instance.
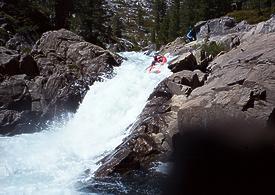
(54, 160)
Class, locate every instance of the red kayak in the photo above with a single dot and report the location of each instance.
(157, 59)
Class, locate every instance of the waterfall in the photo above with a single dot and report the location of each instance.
(52, 161)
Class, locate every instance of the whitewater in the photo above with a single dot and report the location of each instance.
(54, 160)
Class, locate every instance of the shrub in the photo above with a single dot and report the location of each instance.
(213, 48)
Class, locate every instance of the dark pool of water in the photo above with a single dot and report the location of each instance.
(137, 182)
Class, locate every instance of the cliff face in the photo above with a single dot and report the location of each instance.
(234, 90)
(51, 80)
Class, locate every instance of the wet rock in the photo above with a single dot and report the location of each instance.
(8, 120)
(14, 122)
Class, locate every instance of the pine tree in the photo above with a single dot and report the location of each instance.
(92, 18)
(116, 26)
(174, 23)
(63, 9)
(140, 13)
(163, 37)
(159, 13)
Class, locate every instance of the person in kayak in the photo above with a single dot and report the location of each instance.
(157, 59)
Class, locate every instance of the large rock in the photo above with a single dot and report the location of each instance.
(240, 87)
(218, 26)
(70, 65)
(188, 80)
(261, 28)
(50, 81)
(222, 26)
(186, 61)
(177, 47)
(66, 51)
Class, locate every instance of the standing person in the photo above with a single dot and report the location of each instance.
(191, 35)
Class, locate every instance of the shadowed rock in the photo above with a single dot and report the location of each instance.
(9, 61)
(186, 61)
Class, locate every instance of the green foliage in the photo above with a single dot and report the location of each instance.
(27, 28)
(63, 8)
(92, 18)
(24, 16)
(9, 18)
(159, 17)
(136, 47)
(174, 23)
(171, 22)
(253, 16)
(140, 14)
(213, 48)
(116, 26)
